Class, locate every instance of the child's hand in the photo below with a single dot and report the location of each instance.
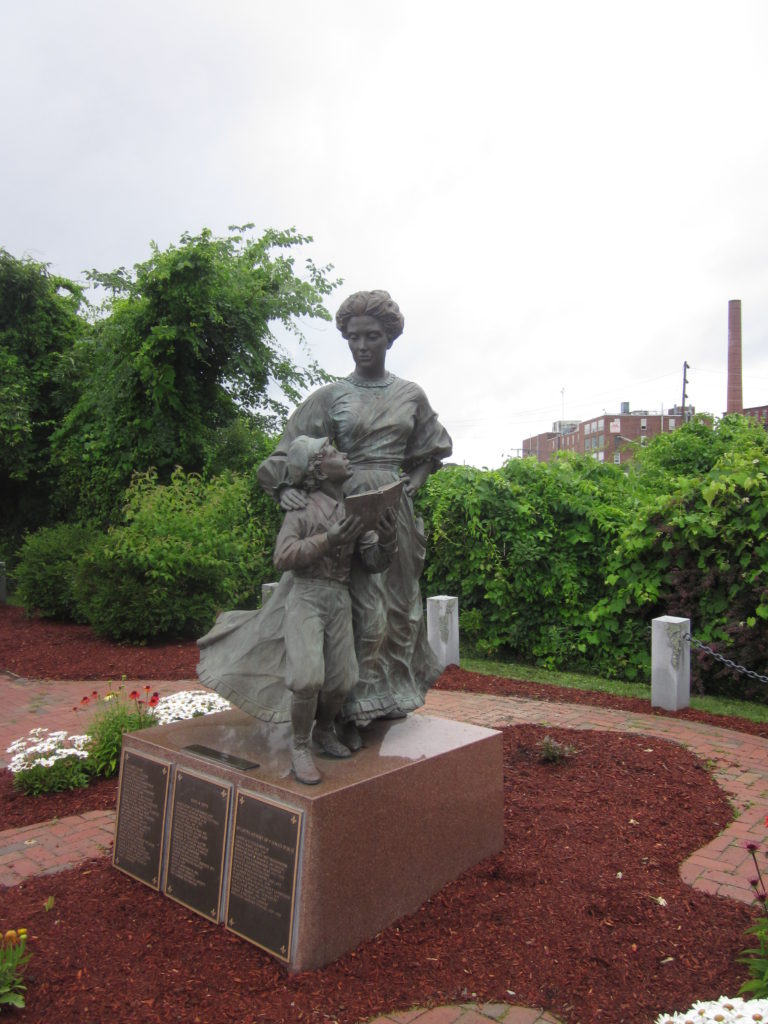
(386, 528)
(346, 531)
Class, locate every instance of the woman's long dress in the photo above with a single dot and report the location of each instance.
(385, 427)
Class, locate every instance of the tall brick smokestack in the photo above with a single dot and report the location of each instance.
(735, 401)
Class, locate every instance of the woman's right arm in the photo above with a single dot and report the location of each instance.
(311, 418)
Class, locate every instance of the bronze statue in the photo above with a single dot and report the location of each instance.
(318, 543)
(389, 431)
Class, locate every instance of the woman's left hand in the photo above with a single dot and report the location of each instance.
(412, 481)
(386, 528)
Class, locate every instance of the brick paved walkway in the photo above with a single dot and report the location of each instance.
(739, 763)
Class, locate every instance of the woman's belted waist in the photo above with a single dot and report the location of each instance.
(393, 466)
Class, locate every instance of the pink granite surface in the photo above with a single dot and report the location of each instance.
(383, 831)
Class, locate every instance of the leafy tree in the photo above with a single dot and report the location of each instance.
(183, 354)
(40, 322)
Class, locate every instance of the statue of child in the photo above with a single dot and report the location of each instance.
(317, 543)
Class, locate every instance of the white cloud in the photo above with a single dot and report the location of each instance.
(562, 197)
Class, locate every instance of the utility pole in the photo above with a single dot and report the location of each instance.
(685, 391)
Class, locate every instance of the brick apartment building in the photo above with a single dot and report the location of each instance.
(606, 437)
(760, 413)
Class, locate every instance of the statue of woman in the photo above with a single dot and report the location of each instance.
(389, 431)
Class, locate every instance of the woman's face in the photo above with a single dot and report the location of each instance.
(368, 344)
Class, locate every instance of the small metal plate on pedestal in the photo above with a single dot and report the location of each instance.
(221, 757)
(197, 843)
(264, 861)
(141, 806)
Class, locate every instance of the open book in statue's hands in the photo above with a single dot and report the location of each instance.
(371, 505)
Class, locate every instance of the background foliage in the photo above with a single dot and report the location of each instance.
(130, 437)
(185, 551)
(181, 357)
(40, 323)
(567, 563)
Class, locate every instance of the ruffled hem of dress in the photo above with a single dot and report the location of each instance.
(370, 708)
(275, 716)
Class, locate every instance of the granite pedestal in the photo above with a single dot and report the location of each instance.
(208, 809)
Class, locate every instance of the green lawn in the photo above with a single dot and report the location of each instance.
(575, 681)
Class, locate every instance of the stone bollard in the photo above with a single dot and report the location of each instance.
(267, 590)
(443, 629)
(670, 663)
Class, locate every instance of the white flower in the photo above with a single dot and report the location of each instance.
(188, 704)
(37, 749)
(727, 1011)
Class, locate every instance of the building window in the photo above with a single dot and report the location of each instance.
(643, 423)
(617, 458)
(672, 422)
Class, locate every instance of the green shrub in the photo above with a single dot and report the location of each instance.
(46, 570)
(13, 959)
(48, 762)
(756, 957)
(117, 715)
(524, 548)
(699, 551)
(67, 773)
(186, 551)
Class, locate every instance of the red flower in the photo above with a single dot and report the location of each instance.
(133, 695)
(154, 700)
(147, 688)
(95, 694)
(86, 700)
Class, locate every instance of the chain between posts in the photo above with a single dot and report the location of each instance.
(725, 661)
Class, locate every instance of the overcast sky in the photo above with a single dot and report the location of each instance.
(561, 196)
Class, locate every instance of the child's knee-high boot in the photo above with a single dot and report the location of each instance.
(302, 719)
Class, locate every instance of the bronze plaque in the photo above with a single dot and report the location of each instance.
(141, 804)
(221, 757)
(264, 861)
(197, 842)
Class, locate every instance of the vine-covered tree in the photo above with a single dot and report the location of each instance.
(40, 322)
(183, 359)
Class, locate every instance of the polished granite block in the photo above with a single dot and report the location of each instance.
(385, 829)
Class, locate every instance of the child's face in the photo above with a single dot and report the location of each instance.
(335, 465)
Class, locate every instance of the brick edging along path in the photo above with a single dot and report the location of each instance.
(739, 763)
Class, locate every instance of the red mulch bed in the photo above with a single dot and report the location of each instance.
(547, 922)
(42, 649)
(17, 810)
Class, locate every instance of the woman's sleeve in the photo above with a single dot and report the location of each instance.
(312, 418)
(429, 440)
